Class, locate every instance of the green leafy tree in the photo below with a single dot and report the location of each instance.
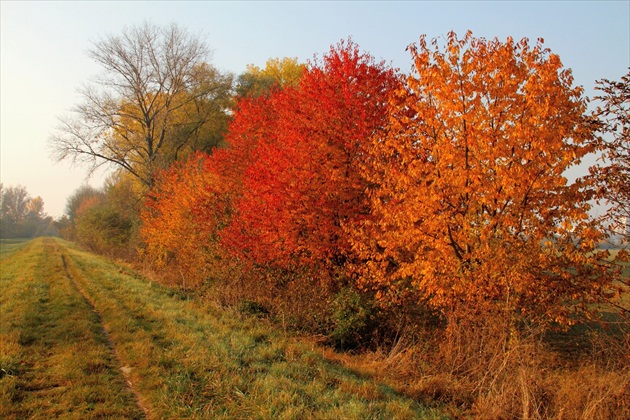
(78, 197)
(118, 205)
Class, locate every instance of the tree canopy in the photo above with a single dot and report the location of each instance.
(156, 99)
(303, 183)
(471, 208)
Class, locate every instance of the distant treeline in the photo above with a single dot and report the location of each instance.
(22, 216)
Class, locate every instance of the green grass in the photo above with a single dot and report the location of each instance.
(183, 360)
(54, 359)
(8, 246)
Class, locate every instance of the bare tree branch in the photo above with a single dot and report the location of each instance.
(133, 115)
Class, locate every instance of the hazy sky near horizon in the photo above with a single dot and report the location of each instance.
(44, 44)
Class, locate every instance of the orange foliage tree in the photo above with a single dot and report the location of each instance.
(471, 212)
(302, 184)
(184, 211)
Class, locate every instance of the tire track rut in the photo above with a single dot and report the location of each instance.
(125, 371)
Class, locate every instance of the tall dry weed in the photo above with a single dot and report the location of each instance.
(484, 371)
(297, 301)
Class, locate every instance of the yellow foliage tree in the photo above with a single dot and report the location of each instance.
(181, 123)
(278, 72)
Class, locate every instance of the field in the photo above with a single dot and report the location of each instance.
(82, 337)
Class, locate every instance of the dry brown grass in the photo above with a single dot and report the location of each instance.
(482, 373)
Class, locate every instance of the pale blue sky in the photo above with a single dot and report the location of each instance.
(43, 46)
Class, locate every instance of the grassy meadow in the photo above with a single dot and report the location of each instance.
(55, 360)
(82, 337)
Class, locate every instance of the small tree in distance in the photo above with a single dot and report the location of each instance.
(22, 216)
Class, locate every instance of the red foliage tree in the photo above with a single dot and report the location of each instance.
(192, 201)
(302, 185)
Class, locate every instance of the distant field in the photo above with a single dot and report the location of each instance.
(10, 245)
(81, 337)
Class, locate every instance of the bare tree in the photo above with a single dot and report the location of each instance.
(155, 95)
(612, 173)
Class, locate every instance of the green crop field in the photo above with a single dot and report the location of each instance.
(82, 337)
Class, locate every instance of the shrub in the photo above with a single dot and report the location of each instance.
(354, 319)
